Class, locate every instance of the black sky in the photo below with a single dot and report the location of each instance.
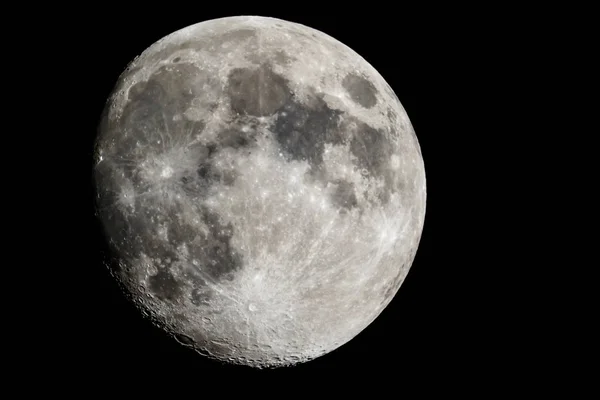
(435, 326)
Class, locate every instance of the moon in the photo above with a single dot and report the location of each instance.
(261, 188)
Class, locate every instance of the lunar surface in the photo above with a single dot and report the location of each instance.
(261, 188)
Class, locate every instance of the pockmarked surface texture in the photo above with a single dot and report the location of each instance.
(261, 187)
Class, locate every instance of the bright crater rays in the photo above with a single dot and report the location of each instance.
(261, 187)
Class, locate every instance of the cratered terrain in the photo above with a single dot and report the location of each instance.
(261, 188)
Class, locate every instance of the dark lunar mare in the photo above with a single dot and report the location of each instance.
(304, 130)
(344, 195)
(300, 129)
(361, 90)
(257, 91)
(146, 126)
(148, 117)
(134, 234)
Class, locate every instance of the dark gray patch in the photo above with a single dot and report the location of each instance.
(303, 132)
(142, 119)
(213, 249)
(212, 148)
(209, 174)
(116, 228)
(147, 119)
(176, 59)
(344, 195)
(234, 138)
(228, 177)
(178, 230)
(147, 124)
(373, 151)
(181, 83)
(361, 90)
(282, 58)
(258, 92)
(191, 186)
(394, 122)
(179, 318)
(230, 276)
(172, 87)
(200, 297)
(371, 148)
(385, 194)
(136, 235)
(165, 286)
(142, 225)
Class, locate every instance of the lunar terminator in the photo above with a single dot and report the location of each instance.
(261, 187)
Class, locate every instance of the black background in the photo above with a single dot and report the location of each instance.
(439, 326)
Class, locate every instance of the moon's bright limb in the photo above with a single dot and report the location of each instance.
(262, 188)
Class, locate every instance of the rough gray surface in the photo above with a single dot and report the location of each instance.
(262, 189)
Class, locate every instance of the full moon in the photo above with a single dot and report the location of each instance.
(261, 188)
